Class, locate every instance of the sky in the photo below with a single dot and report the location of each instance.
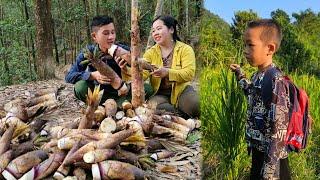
(225, 9)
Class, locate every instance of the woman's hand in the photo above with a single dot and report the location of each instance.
(161, 72)
(100, 78)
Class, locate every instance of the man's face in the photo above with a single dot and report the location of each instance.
(105, 36)
(256, 51)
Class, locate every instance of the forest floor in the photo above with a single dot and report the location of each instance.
(184, 165)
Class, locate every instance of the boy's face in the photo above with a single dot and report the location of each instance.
(104, 36)
(256, 51)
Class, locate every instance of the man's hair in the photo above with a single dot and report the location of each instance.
(99, 21)
(271, 31)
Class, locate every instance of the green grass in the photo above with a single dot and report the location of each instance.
(223, 113)
(223, 110)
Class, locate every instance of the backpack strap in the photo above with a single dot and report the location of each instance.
(267, 85)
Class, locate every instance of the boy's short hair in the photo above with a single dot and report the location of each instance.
(271, 31)
(99, 21)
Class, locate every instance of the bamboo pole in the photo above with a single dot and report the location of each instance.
(138, 95)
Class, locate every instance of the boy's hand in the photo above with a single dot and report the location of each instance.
(237, 70)
(234, 67)
(100, 78)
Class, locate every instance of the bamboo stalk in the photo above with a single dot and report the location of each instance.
(130, 113)
(188, 123)
(154, 144)
(162, 155)
(46, 167)
(120, 115)
(41, 99)
(180, 136)
(98, 155)
(5, 159)
(63, 169)
(17, 167)
(110, 106)
(60, 132)
(108, 125)
(100, 114)
(116, 170)
(93, 100)
(19, 149)
(126, 105)
(67, 143)
(5, 139)
(108, 143)
(173, 125)
(138, 96)
(79, 173)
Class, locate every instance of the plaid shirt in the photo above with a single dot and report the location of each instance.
(266, 128)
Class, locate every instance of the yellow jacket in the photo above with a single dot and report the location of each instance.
(182, 70)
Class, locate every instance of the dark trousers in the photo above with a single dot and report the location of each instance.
(257, 163)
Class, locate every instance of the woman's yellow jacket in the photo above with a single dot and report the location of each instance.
(181, 72)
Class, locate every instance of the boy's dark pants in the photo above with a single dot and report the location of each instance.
(257, 163)
(81, 91)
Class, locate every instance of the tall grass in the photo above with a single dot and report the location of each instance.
(306, 165)
(223, 114)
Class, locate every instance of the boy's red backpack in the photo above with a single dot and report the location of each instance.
(300, 121)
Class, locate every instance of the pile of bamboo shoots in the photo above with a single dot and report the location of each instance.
(110, 142)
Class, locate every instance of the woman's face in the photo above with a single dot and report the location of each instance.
(161, 34)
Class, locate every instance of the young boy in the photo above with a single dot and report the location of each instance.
(267, 102)
(84, 75)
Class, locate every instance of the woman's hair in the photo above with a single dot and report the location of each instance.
(170, 22)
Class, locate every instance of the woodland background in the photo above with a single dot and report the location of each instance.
(39, 36)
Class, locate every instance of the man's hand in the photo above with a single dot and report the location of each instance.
(161, 72)
(100, 78)
(121, 62)
(234, 67)
(124, 90)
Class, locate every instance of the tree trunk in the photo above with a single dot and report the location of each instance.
(86, 18)
(157, 12)
(181, 16)
(44, 45)
(187, 17)
(31, 38)
(3, 44)
(55, 42)
(97, 8)
(137, 79)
